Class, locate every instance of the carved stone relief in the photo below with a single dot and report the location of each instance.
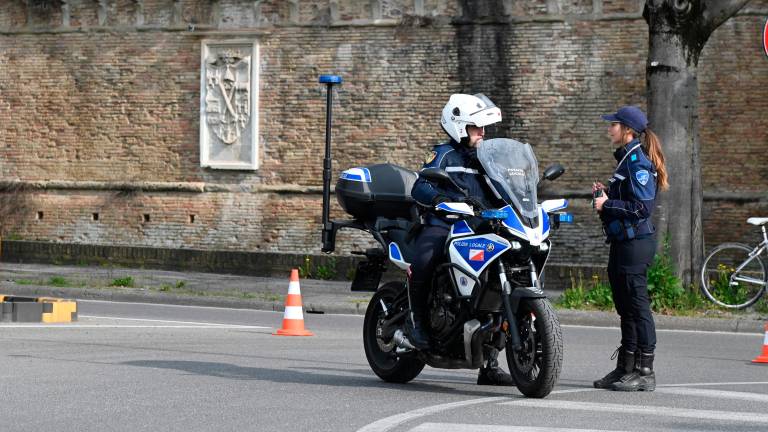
(228, 105)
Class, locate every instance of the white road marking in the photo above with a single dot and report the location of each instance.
(456, 427)
(178, 306)
(163, 324)
(734, 383)
(126, 326)
(717, 394)
(740, 333)
(729, 416)
(391, 422)
(168, 321)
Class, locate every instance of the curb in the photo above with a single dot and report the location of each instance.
(330, 305)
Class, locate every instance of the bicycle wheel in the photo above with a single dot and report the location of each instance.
(723, 285)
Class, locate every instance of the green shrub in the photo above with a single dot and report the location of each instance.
(305, 269)
(328, 271)
(596, 294)
(123, 282)
(664, 287)
(599, 294)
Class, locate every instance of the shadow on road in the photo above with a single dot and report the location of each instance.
(230, 371)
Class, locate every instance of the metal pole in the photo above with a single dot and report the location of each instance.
(328, 237)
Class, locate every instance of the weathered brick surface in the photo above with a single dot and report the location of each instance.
(118, 101)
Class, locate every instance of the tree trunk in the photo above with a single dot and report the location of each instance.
(678, 30)
(673, 107)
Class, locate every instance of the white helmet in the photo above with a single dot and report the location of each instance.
(463, 109)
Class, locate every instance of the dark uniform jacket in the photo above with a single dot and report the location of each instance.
(631, 194)
(460, 162)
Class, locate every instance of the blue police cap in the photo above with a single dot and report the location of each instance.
(630, 116)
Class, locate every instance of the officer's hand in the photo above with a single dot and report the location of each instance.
(598, 186)
(599, 201)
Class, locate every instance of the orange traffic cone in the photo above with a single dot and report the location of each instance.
(293, 317)
(763, 358)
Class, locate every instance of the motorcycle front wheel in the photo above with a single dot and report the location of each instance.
(536, 367)
(381, 353)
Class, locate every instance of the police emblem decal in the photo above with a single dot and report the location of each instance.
(642, 177)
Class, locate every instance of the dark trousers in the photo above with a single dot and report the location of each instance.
(628, 264)
(430, 243)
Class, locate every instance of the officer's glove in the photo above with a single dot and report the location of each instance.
(475, 203)
(440, 199)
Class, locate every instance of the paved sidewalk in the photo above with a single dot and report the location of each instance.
(250, 292)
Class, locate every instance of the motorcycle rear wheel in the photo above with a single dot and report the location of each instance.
(536, 367)
(384, 362)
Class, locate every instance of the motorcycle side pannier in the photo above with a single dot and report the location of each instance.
(382, 190)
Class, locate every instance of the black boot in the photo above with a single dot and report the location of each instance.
(641, 379)
(416, 321)
(625, 363)
(492, 374)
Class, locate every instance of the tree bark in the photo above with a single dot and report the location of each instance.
(678, 31)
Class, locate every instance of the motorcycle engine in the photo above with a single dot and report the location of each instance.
(442, 315)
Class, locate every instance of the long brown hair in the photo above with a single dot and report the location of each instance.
(652, 148)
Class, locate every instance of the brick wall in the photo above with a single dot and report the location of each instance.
(98, 100)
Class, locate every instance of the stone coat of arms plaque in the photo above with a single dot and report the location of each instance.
(229, 104)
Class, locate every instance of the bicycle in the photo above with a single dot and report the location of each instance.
(733, 275)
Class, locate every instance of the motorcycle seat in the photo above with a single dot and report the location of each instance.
(405, 242)
(384, 224)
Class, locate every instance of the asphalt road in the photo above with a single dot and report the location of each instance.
(140, 367)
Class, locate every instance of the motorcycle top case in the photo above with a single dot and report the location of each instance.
(382, 190)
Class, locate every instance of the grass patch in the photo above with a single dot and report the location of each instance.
(59, 281)
(27, 282)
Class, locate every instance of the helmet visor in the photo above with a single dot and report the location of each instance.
(485, 115)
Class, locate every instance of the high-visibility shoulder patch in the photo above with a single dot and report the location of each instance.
(633, 158)
(430, 157)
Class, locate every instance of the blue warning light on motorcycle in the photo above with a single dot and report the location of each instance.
(330, 79)
(565, 217)
(494, 214)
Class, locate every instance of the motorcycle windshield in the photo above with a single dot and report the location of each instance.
(513, 167)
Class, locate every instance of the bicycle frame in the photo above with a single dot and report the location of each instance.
(755, 252)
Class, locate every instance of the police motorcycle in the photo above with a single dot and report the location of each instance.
(488, 291)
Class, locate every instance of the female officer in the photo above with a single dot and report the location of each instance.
(625, 209)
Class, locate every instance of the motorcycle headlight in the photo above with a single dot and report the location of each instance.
(544, 247)
(516, 245)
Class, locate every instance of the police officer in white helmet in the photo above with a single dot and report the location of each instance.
(464, 119)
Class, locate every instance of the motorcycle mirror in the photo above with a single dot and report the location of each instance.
(553, 171)
(438, 175)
